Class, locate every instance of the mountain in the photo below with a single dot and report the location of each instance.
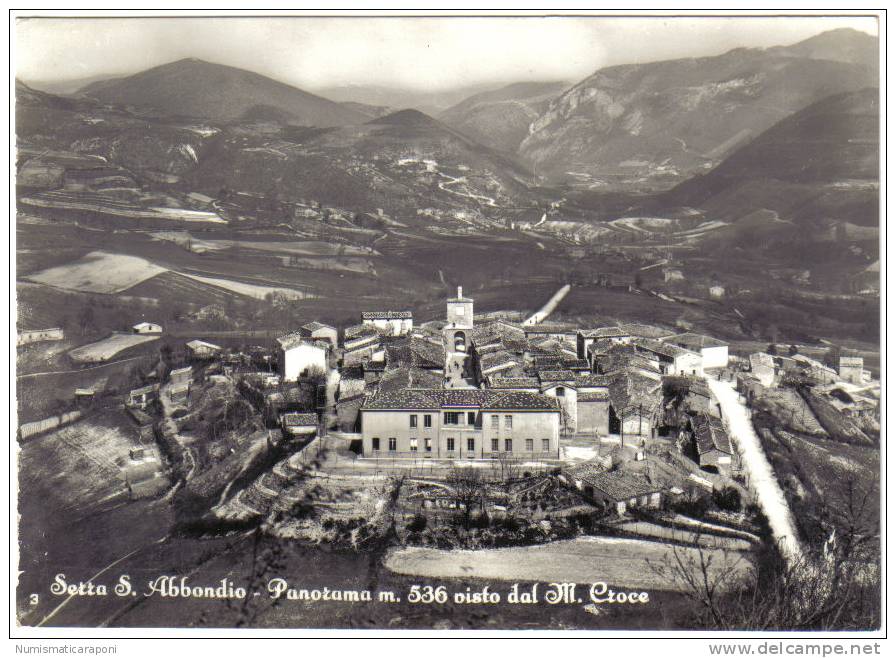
(653, 125)
(430, 102)
(500, 118)
(411, 165)
(66, 87)
(195, 88)
(816, 167)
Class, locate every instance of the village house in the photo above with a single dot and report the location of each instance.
(762, 366)
(299, 425)
(587, 337)
(200, 350)
(397, 323)
(713, 351)
(298, 355)
(851, 369)
(717, 292)
(557, 330)
(460, 424)
(147, 328)
(320, 331)
(39, 335)
(713, 445)
(142, 397)
(673, 360)
(179, 382)
(615, 490)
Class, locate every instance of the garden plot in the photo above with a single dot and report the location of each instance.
(629, 563)
(694, 537)
(99, 272)
(105, 349)
(248, 289)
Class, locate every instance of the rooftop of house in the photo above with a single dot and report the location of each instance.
(295, 339)
(496, 359)
(664, 349)
(356, 330)
(412, 399)
(558, 376)
(551, 328)
(387, 315)
(710, 435)
(405, 376)
(497, 381)
(201, 344)
(297, 419)
(695, 342)
(619, 485)
(604, 332)
(592, 380)
(316, 326)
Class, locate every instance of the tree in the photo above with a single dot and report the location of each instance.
(727, 499)
(469, 489)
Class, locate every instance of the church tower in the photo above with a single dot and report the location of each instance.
(460, 311)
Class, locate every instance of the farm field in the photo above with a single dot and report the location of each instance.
(107, 348)
(77, 468)
(99, 272)
(618, 562)
(254, 290)
(684, 536)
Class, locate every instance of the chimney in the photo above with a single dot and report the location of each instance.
(460, 292)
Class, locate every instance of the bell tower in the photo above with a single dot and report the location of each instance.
(460, 311)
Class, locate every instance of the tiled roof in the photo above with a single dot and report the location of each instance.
(316, 326)
(709, 435)
(452, 398)
(664, 349)
(356, 330)
(695, 342)
(387, 315)
(591, 379)
(409, 377)
(618, 485)
(550, 328)
(297, 419)
(593, 396)
(556, 376)
(292, 340)
(201, 344)
(604, 332)
(495, 359)
(513, 382)
(576, 364)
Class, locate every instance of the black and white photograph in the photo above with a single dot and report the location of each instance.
(389, 323)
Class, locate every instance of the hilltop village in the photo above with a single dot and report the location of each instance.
(468, 417)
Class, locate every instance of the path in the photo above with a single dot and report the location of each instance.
(761, 476)
(72, 372)
(548, 308)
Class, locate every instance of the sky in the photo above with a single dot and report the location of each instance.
(420, 53)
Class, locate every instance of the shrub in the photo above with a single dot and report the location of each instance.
(727, 499)
(417, 524)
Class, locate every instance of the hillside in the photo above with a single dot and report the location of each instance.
(654, 125)
(500, 118)
(194, 88)
(820, 164)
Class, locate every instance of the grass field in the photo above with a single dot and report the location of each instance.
(107, 348)
(99, 272)
(619, 562)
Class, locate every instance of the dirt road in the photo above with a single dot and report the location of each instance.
(761, 475)
(548, 308)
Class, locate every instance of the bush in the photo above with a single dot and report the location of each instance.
(417, 524)
(727, 499)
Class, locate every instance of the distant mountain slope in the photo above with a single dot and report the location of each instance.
(818, 166)
(194, 88)
(428, 101)
(656, 124)
(500, 118)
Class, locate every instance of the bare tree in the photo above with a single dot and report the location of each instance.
(469, 489)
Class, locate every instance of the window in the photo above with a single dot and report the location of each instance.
(545, 445)
(471, 418)
(508, 422)
(449, 444)
(376, 443)
(495, 421)
(459, 310)
(530, 445)
(427, 420)
(413, 420)
(452, 418)
(413, 443)
(508, 445)
(427, 445)
(561, 392)
(393, 444)
(471, 444)
(495, 447)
